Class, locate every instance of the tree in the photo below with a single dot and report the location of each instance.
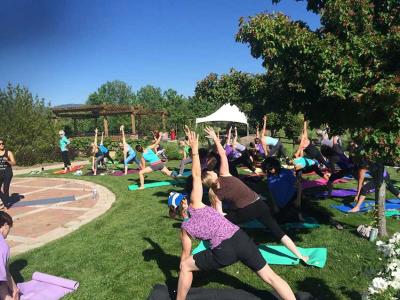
(26, 126)
(345, 74)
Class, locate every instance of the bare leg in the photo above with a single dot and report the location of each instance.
(4, 292)
(279, 285)
(287, 241)
(185, 277)
(141, 176)
(166, 171)
(358, 205)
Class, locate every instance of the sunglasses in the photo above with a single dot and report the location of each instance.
(1, 143)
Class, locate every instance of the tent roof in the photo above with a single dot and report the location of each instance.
(227, 113)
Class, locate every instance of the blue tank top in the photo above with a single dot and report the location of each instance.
(103, 149)
(150, 156)
(130, 150)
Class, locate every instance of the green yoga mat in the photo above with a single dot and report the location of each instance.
(390, 213)
(310, 223)
(134, 187)
(280, 255)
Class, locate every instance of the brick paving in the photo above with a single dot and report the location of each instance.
(36, 225)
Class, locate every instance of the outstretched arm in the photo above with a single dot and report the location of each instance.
(123, 141)
(102, 138)
(264, 130)
(224, 168)
(228, 138)
(157, 142)
(305, 132)
(257, 132)
(235, 137)
(197, 191)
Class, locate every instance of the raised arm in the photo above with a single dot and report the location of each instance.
(264, 130)
(224, 168)
(228, 138)
(95, 136)
(305, 132)
(257, 131)
(197, 192)
(235, 137)
(102, 138)
(124, 143)
(157, 142)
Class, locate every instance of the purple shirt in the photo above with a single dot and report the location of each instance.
(260, 148)
(4, 257)
(209, 225)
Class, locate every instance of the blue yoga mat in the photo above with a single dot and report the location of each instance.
(394, 200)
(366, 206)
(44, 201)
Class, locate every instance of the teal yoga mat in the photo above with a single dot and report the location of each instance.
(310, 223)
(134, 187)
(280, 255)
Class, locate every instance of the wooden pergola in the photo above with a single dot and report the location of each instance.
(104, 110)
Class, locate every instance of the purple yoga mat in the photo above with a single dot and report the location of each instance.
(121, 173)
(307, 184)
(46, 287)
(338, 193)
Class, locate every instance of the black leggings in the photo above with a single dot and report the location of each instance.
(5, 181)
(278, 150)
(366, 189)
(312, 152)
(257, 210)
(309, 169)
(244, 160)
(65, 158)
(107, 155)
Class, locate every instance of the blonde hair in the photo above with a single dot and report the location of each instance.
(206, 179)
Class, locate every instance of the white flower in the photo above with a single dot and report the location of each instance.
(379, 243)
(395, 284)
(380, 283)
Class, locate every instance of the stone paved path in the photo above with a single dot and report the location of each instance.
(36, 225)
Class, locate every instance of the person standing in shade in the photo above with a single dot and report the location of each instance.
(6, 161)
(8, 288)
(64, 142)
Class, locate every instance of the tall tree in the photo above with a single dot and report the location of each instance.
(345, 74)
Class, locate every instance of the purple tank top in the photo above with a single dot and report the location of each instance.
(209, 225)
(260, 149)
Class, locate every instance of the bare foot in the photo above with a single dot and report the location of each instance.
(354, 209)
(305, 258)
(141, 188)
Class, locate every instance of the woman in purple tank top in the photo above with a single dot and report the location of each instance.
(228, 243)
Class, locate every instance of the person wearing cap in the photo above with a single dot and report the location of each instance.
(228, 243)
(175, 201)
(64, 142)
(8, 288)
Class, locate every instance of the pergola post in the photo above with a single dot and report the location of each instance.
(133, 125)
(105, 126)
(139, 123)
(75, 127)
(164, 122)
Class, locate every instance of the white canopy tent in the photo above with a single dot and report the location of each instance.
(226, 113)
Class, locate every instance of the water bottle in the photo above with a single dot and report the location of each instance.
(94, 193)
(373, 235)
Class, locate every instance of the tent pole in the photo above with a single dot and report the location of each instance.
(247, 130)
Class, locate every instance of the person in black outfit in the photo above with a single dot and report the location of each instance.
(6, 161)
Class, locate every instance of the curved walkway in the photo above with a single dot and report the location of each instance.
(36, 224)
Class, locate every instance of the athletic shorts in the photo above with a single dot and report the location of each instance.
(240, 247)
(157, 166)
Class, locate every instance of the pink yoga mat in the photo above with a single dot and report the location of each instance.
(46, 287)
(121, 173)
(319, 182)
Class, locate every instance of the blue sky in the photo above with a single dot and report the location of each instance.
(63, 50)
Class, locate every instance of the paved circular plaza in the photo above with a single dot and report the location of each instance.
(45, 209)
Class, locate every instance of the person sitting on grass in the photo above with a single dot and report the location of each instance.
(364, 189)
(228, 243)
(285, 194)
(247, 205)
(129, 153)
(156, 164)
(8, 288)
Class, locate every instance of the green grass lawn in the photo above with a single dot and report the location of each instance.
(134, 245)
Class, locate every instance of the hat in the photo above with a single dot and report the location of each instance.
(175, 199)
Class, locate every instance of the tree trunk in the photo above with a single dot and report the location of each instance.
(380, 198)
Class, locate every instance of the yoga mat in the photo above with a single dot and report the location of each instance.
(73, 169)
(280, 255)
(46, 287)
(187, 173)
(394, 200)
(337, 193)
(134, 187)
(309, 223)
(43, 201)
(122, 173)
(366, 206)
(308, 184)
(392, 212)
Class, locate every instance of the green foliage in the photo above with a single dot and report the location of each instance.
(345, 74)
(26, 126)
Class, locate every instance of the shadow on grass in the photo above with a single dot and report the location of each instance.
(15, 269)
(318, 288)
(167, 263)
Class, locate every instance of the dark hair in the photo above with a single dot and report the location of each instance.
(257, 140)
(186, 138)
(139, 148)
(203, 152)
(5, 218)
(252, 145)
(327, 151)
(271, 163)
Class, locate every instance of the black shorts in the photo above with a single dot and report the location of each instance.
(240, 247)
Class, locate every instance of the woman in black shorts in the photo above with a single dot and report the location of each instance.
(6, 161)
(228, 243)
